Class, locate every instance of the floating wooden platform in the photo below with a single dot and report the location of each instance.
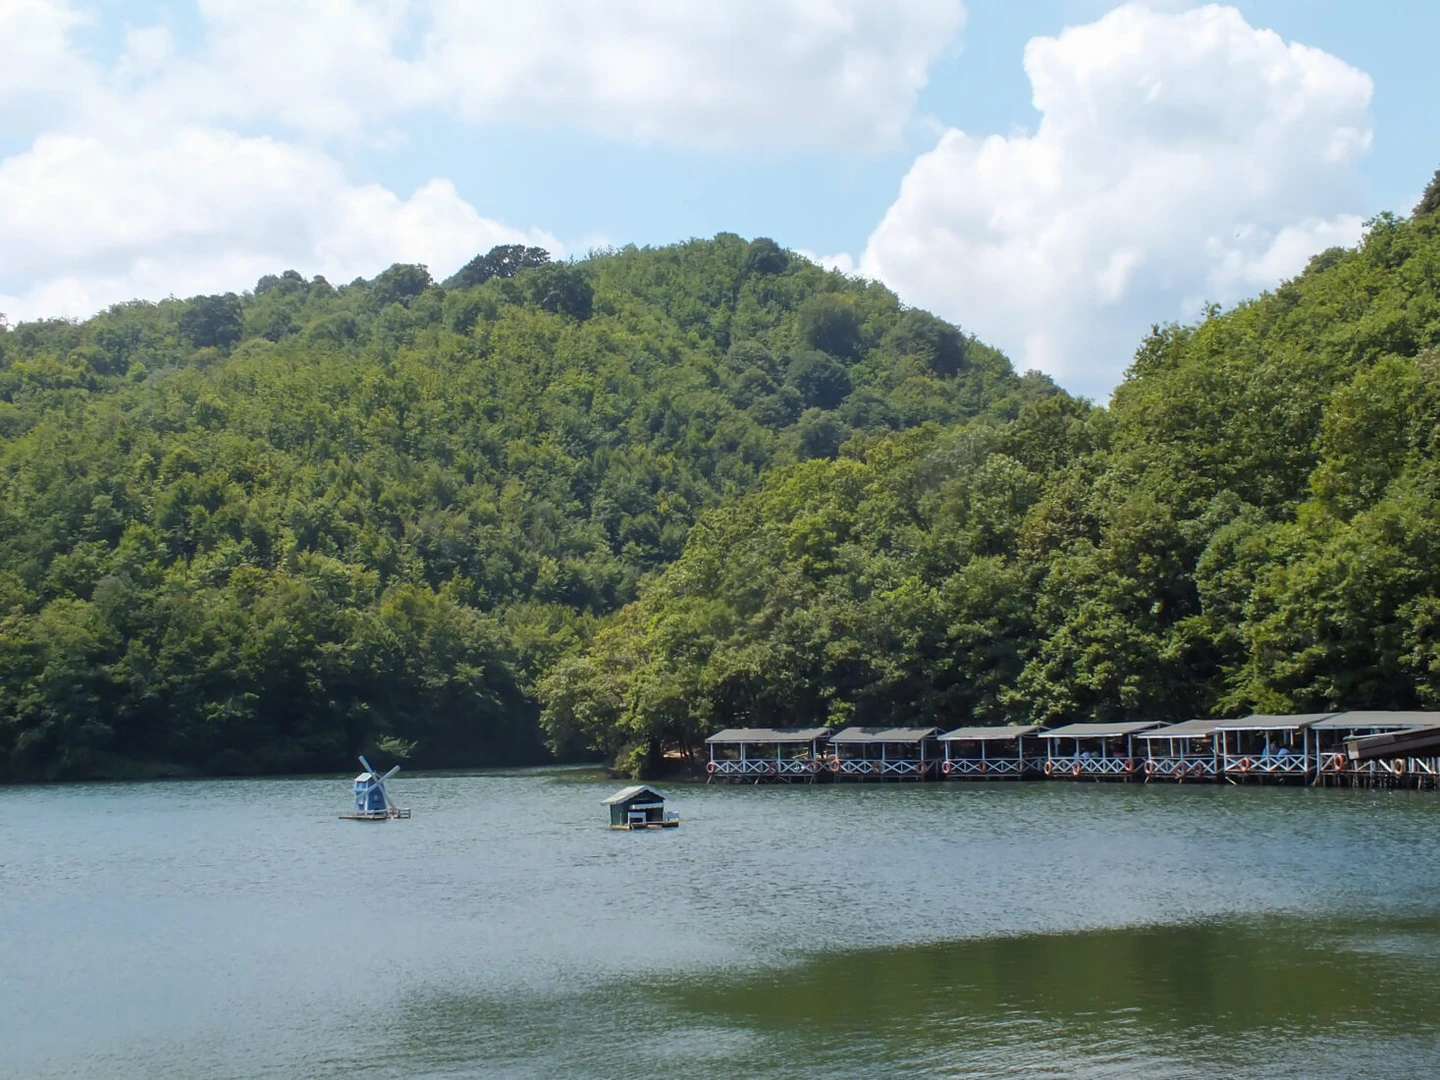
(380, 816)
(671, 823)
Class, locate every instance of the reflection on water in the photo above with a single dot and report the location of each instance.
(237, 929)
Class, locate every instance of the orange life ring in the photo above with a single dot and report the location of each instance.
(1179, 771)
(947, 766)
(984, 766)
(1129, 765)
(1149, 768)
(1244, 764)
(1049, 767)
(835, 765)
(1075, 769)
(710, 767)
(1400, 766)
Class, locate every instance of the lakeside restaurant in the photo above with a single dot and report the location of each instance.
(1366, 748)
(868, 753)
(1097, 751)
(785, 755)
(990, 753)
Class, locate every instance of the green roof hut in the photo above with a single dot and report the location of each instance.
(639, 807)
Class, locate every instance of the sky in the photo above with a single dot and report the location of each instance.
(1054, 176)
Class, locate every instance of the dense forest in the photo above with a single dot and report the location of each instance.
(603, 507)
(262, 532)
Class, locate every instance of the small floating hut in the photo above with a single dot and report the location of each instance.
(871, 753)
(1095, 751)
(767, 754)
(1184, 751)
(1265, 746)
(639, 807)
(990, 753)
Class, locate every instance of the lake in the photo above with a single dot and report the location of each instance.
(236, 928)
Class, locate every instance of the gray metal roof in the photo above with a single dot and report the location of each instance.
(768, 734)
(1263, 722)
(1099, 731)
(879, 735)
(1187, 729)
(1348, 721)
(628, 794)
(987, 734)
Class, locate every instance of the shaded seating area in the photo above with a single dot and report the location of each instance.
(1183, 751)
(870, 753)
(990, 753)
(763, 754)
(1095, 751)
(1332, 737)
(1267, 747)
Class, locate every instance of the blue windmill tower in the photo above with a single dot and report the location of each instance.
(372, 801)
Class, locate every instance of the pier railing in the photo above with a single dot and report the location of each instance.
(763, 768)
(1180, 767)
(1112, 768)
(983, 768)
(1266, 764)
(876, 769)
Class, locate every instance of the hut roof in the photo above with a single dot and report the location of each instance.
(1099, 731)
(1393, 744)
(881, 735)
(989, 734)
(1397, 720)
(1263, 722)
(768, 734)
(630, 794)
(1186, 729)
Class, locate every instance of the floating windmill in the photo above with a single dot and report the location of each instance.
(372, 801)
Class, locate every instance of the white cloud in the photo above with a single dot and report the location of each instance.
(85, 222)
(1181, 157)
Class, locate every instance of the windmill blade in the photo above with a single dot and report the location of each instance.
(384, 791)
(367, 765)
(394, 769)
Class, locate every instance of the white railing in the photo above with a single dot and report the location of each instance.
(1061, 767)
(981, 768)
(762, 768)
(1179, 767)
(1266, 765)
(862, 768)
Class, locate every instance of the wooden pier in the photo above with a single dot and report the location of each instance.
(867, 753)
(990, 753)
(766, 755)
(1095, 751)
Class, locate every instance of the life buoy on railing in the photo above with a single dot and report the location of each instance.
(984, 766)
(947, 766)
(835, 765)
(1075, 769)
(1244, 764)
(1049, 767)
(1179, 771)
(1400, 766)
(710, 767)
(1129, 765)
(1149, 768)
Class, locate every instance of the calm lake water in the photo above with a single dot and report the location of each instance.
(238, 929)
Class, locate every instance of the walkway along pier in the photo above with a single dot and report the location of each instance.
(1363, 748)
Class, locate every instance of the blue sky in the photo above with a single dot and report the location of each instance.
(1178, 154)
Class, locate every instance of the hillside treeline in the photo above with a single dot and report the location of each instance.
(261, 532)
(1253, 524)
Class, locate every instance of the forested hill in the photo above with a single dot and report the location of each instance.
(263, 532)
(1254, 523)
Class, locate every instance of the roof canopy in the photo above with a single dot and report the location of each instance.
(881, 735)
(1188, 729)
(1099, 731)
(630, 794)
(989, 734)
(1393, 744)
(769, 734)
(1263, 722)
(1350, 721)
